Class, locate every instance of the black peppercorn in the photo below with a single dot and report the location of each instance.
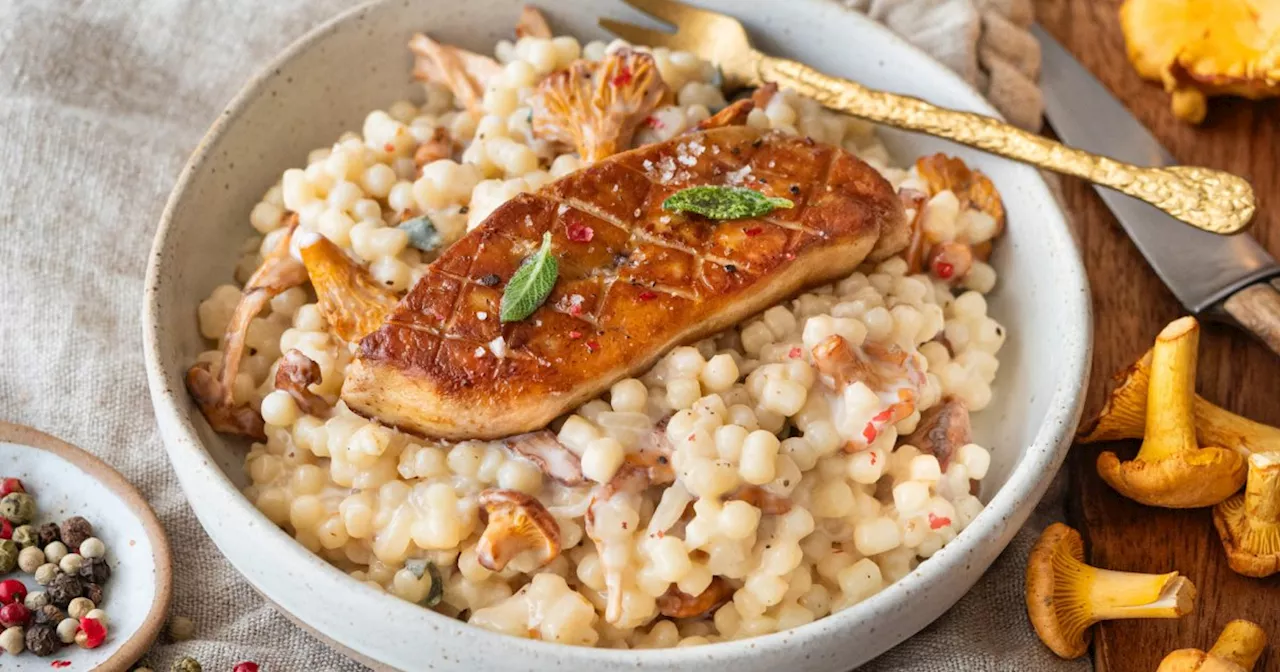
(74, 531)
(42, 640)
(96, 571)
(49, 533)
(93, 591)
(48, 615)
(63, 589)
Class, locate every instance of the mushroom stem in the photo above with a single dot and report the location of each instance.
(1262, 489)
(1125, 414)
(1169, 398)
(1241, 642)
(1120, 595)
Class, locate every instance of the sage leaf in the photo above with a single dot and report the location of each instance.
(720, 202)
(422, 233)
(531, 283)
(419, 568)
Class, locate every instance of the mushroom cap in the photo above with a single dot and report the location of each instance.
(1252, 546)
(1195, 660)
(1124, 416)
(1067, 639)
(517, 523)
(1186, 480)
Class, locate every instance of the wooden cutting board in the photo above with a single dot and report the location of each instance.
(1130, 306)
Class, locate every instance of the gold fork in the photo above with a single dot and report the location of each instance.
(1204, 198)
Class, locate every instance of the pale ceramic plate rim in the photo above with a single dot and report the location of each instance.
(134, 648)
(1027, 481)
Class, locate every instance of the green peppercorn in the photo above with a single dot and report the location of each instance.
(186, 664)
(25, 536)
(8, 556)
(18, 508)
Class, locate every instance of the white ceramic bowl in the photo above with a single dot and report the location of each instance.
(325, 84)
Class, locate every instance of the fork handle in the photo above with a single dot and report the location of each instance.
(1206, 199)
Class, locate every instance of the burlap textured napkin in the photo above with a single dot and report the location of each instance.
(100, 104)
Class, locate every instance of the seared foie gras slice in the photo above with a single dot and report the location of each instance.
(635, 280)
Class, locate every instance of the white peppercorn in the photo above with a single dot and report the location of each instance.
(93, 548)
(46, 573)
(71, 563)
(79, 607)
(54, 552)
(181, 628)
(30, 559)
(67, 630)
(99, 616)
(35, 600)
(13, 640)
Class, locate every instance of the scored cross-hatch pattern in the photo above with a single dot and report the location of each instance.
(615, 245)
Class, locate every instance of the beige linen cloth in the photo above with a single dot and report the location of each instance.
(100, 104)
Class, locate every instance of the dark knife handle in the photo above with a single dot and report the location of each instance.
(1257, 309)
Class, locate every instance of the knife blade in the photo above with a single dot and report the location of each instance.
(1203, 270)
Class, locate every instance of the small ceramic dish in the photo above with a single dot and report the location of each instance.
(328, 81)
(66, 481)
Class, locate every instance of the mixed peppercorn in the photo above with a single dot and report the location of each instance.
(67, 561)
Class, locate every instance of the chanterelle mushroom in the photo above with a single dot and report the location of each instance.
(552, 457)
(1171, 470)
(597, 106)
(295, 374)
(352, 302)
(1125, 415)
(1065, 597)
(893, 374)
(532, 24)
(675, 604)
(942, 430)
(1237, 650)
(950, 260)
(1249, 523)
(214, 394)
(1201, 48)
(518, 524)
(465, 73)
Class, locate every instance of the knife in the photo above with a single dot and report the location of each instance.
(1229, 279)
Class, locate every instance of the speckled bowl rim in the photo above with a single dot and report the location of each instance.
(134, 648)
(1025, 486)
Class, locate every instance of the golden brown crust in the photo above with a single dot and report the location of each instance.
(635, 280)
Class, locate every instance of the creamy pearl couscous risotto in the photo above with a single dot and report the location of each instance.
(793, 488)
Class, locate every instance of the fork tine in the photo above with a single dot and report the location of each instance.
(637, 35)
(670, 11)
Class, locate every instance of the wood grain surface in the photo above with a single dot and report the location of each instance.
(1130, 306)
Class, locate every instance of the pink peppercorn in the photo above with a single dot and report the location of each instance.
(6, 529)
(94, 633)
(9, 485)
(14, 614)
(245, 667)
(12, 590)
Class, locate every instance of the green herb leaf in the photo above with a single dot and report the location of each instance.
(422, 233)
(718, 202)
(531, 283)
(437, 586)
(419, 568)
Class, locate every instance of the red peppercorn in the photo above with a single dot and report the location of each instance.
(6, 529)
(579, 232)
(648, 295)
(9, 485)
(94, 633)
(592, 346)
(13, 614)
(246, 666)
(12, 590)
(937, 522)
(754, 231)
